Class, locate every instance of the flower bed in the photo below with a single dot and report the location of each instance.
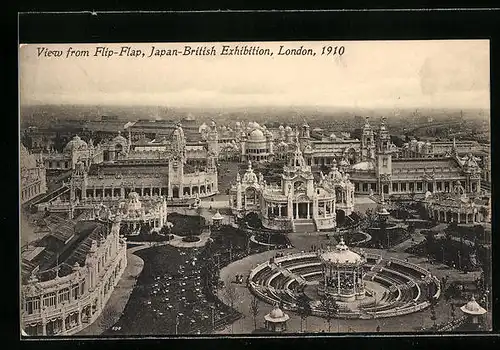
(190, 239)
(186, 225)
(149, 237)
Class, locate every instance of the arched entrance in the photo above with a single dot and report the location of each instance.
(341, 217)
(175, 192)
(385, 189)
(251, 197)
(253, 220)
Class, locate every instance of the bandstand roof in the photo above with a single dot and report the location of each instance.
(276, 316)
(217, 216)
(342, 255)
(473, 308)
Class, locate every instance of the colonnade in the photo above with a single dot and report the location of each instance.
(414, 186)
(280, 210)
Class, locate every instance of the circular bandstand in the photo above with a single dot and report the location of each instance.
(364, 285)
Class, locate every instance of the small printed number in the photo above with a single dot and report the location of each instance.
(333, 50)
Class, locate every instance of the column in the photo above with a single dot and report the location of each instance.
(142, 191)
(79, 317)
(44, 326)
(279, 210)
(324, 209)
(63, 329)
(308, 213)
(122, 192)
(466, 217)
(354, 280)
(338, 282)
(94, 193)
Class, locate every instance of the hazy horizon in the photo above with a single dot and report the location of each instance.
(370, 75)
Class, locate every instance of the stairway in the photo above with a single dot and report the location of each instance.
(304, 225)
(51, 195)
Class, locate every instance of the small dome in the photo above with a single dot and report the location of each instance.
(342, 255)
(473, 308)
(281, 127)
(364, 166)
(217, 216)
(238, 124)
(120, 138)
(344, 162)
(276, 313)
(76, 143)
(288, 129)
(203, 127)
(256, 135)
(133, 195)
(383, 211)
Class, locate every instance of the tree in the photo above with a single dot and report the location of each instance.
(330, 307)
(254, 309)
(303, 309)
(231, 295)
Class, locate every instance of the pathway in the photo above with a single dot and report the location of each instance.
(119, 297)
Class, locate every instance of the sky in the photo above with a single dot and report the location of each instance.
(369, 74)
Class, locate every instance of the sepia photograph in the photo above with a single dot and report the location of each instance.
(255, 188)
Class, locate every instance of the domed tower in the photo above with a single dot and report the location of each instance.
(297, 171)
(179, 143)
(281, 131)
(75, 147)
(213, 139)
(367, 142)
(78, 182)
(120, 146)
(289, 134)
(473, 173)
(305, 137)
(384, 159)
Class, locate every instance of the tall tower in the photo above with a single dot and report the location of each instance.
(384, 159)
(213, 139)
(367, 141)
(305, 136)
(78, 182)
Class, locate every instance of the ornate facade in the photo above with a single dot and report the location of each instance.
(66, 303)
(299, 203)
(32, 175)
(135, 213)
(381, 171)
(76, 150)
(170, 168)
(458, 207)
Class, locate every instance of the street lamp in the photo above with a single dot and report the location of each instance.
(177, 322)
